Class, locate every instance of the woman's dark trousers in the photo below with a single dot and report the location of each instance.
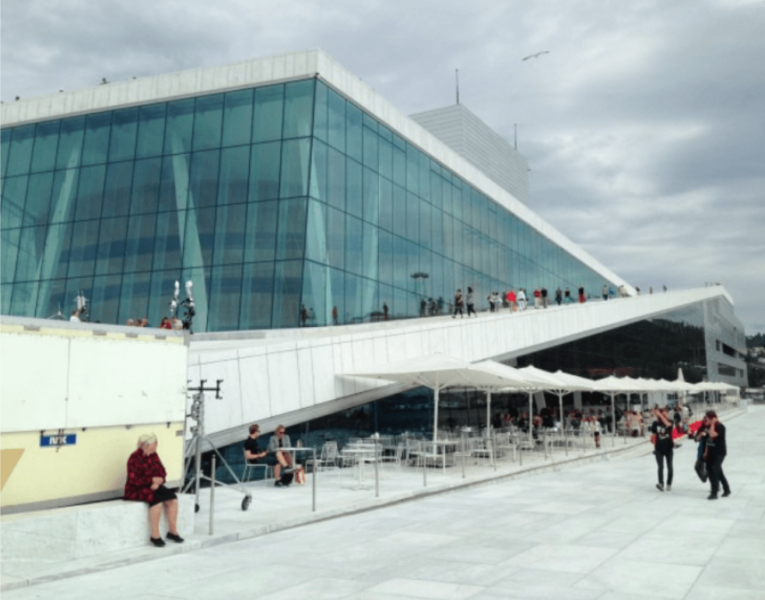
(661, 455)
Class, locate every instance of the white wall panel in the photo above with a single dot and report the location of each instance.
(253, 371)
(305, 375)
(284, 387)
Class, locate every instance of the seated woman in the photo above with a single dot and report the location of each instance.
(146, 483)
(279, 440)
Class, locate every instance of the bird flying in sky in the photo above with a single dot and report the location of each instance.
(537, 55)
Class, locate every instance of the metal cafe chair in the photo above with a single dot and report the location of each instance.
(267, 471)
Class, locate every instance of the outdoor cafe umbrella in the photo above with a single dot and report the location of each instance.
(612, 386)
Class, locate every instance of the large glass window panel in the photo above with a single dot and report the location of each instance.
(9, 251)
(31, 246)
(146, 185)
(123, 137)
(5, 144)
(353, 245)
(353, 145)
(399, 211)
(412, 169)
(14, 195)
(234, 173)
(180, 122)
(400, 266)
(287, 279)
(96, 144)
(200, 276)
(90, 192)
(174, 182)
(139, 246)
(208, 119)
(225, 297)
(456, 202)
(267, 119)
(354, 309)
(171, 227)
(151, 130)
(437, 287)
(294, 171)
(353, 191)
(386, 258)
(371, 196)
(111, 245)
(336, 123)
(257, 295)
(316, 232)
(260, 243)
(237, 118)
(298, 108)
(69, 153)
(230, 223)
(425, 225)
(399, 166)
(51, 300)
(82, 261)
(20, 152)
(315, 291)
(437, 230)
(370, 242)
(134, 297)
(385, 302)
(46, 144)
(424, 176)
(386, 158)
(24, 301)
(56, 253)
(370, 149)
(264, 171)
(337, 295)
(199, 237)
(386, 204)
(203, 184)
(37, 207)
(414, 281)
(336, 238)
(412, 217)
(320, 112)
(336, 179)
(318, 187)
(119, 180)
(75, 287)
(162, 288)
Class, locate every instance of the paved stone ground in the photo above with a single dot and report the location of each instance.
(600, 530)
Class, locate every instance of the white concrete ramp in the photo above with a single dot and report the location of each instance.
(290, 376)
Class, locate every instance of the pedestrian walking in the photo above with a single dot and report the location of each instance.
(545, 297)
(582, 298)
(522, 303)
(715, 451)
(663, 446)
(512, 300)
(567, 299)
(537, 298)
(604, 291)
(469, 302)
(558, 296)
(458, 302)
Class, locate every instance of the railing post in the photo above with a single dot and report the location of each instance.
(462, 448)
(494, 450)
(212, 494)
(377, 474)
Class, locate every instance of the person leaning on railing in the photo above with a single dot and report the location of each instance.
(146, 483)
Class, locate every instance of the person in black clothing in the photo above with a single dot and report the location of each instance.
(253, 453)
(714, 453)
(663, 446)
(458, 302)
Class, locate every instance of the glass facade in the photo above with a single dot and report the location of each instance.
(278, 202)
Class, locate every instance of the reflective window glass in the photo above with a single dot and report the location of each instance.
(315, 282)
(386, 159)
(46, 144)
(110, 255)
(353, 247)
(199, 236)
(399, 211)
(63, 195)
(385, 261)
(234, 173)
(225, 296)
(353, 188)
(171, 227)
(208, 117)
(386, 204)
(82, 260)
(203, 184)
(134, 297)
(335, 238)
(237, 118)
(31, 246)
(353, 146)
(290, 239)
(257, 295)
(294, 171)
(318, 188)
(37, 208)
(320, 112)
(264, 171)
(336, 179)
(286, 308)
(425, 224)
(24, 300)
(336, 121)
(9, 251)
(96, 144)
(123, 136)
(260, 242)
(5, 144)
(399, 166)
(412, 169)
(370, 242)
(316, 232)
(298, 108)
(151, 130)
(371, 196)
(412, 217)
(267, 119)
(230, 223)
(51, 299)
(174, 182)
(119, 180)
(146, 185)
(20, 152)
(14, 194)
(139, 246)
(69, 153)
(371, 159)
(90, 192)
(337, 295)
(180, 121)
(400, 268)
(162, 287)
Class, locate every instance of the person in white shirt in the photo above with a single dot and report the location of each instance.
(75, 318)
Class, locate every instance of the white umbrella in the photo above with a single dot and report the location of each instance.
(612, 386)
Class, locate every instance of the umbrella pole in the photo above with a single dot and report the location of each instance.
(488, 410)
(435, 415)
(531, 420)
(562, 422)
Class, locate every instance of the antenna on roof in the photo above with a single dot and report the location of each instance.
(457, 80)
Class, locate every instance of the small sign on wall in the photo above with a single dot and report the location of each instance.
(58, 440)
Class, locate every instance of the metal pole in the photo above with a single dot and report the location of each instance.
(424, 468)
(520, 450)
(212, 494)
(613, 421)
(462, 446)
(313, 482)
(377, 474)
(494, 450)
(544, 440)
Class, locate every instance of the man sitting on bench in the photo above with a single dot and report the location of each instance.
(280, 440)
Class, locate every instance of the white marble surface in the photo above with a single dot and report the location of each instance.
(621, 539)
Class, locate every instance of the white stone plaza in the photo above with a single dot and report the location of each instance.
(592, 528)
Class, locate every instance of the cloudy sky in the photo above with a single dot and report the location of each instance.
(644, 126)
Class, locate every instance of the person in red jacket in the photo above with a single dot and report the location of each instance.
(146, 483)
(512, 300)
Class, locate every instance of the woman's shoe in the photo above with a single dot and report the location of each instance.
(158, 542)
(175, 537)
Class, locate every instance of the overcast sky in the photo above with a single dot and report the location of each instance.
(644, 126)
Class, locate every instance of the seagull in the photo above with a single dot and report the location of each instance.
(537, 55)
